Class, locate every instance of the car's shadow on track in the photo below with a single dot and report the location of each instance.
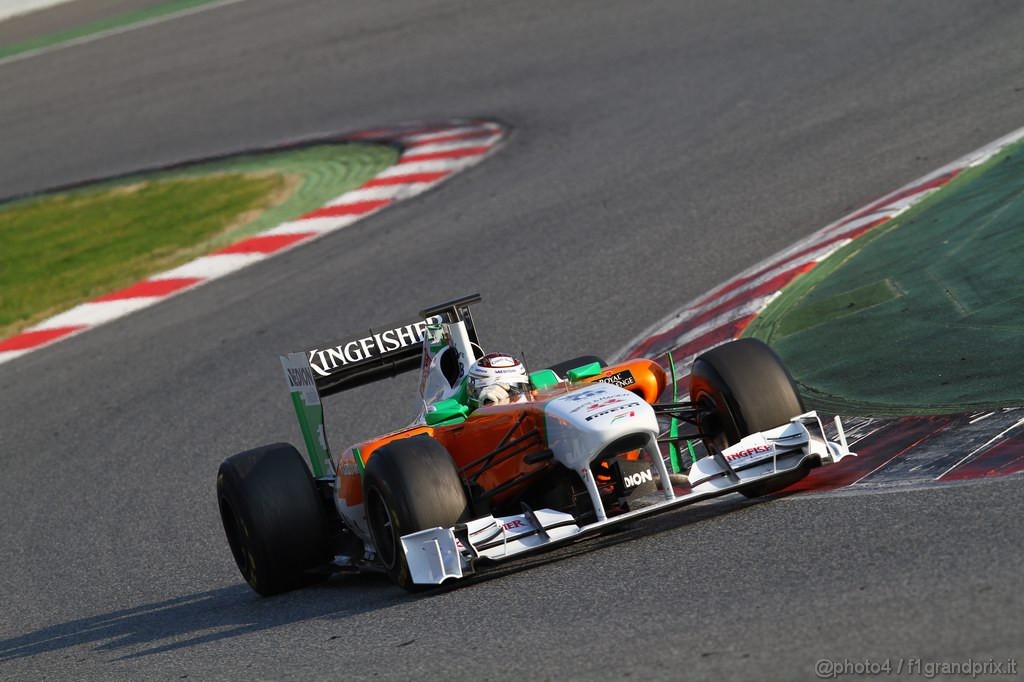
(203, 617)
(188, 620)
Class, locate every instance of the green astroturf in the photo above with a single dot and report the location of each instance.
(923, 315)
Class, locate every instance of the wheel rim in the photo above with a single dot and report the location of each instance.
(381, 528)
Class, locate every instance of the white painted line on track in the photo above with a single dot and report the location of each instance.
(972, 453)
(93, 37)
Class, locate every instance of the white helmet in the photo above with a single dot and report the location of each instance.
(496, 378)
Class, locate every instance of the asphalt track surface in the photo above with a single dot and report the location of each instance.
(658, 148)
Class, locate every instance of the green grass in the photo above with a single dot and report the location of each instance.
(62, 249)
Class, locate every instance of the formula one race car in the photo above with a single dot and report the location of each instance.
(457, 490)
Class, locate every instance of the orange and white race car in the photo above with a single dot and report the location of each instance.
(460, 488)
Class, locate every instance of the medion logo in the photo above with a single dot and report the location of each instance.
(639, 478)
(375, 345)
(299, 376)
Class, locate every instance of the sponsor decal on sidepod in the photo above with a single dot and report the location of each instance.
(621, 379)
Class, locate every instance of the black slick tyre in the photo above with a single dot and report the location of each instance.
(409, 485)
(273, 518)
(745, 388)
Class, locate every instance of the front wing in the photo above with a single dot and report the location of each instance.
(438, 554)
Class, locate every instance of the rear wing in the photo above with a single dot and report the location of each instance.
(379, 353)
(384, 352)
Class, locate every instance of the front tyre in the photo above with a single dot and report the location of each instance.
(273, 518)
(744, 388)
(409, 485)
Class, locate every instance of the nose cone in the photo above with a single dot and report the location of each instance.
(583, 422)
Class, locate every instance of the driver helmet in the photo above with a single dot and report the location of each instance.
(496, 378)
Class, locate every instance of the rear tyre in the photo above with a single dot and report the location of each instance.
(745, 388)
(409, 485)
(273, 518)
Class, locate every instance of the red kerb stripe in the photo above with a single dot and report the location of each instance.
(884, 202)
(874, 452)
(268, 244)
(26, 340)
(768, 287)
(154, 287)
(720, 334)
(810, 248)
(450, 154)
(406, 179)
(354, 208)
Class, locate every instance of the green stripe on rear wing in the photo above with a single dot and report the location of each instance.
(309, 410)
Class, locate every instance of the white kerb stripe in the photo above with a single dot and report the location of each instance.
(728, 317)
(208, 267)
(813, 257)
(413, 188)
(453, 145)
(438, 134)
(317, 225)
(97, 312)
(366, 194)
(6, 355)
(432, 166)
